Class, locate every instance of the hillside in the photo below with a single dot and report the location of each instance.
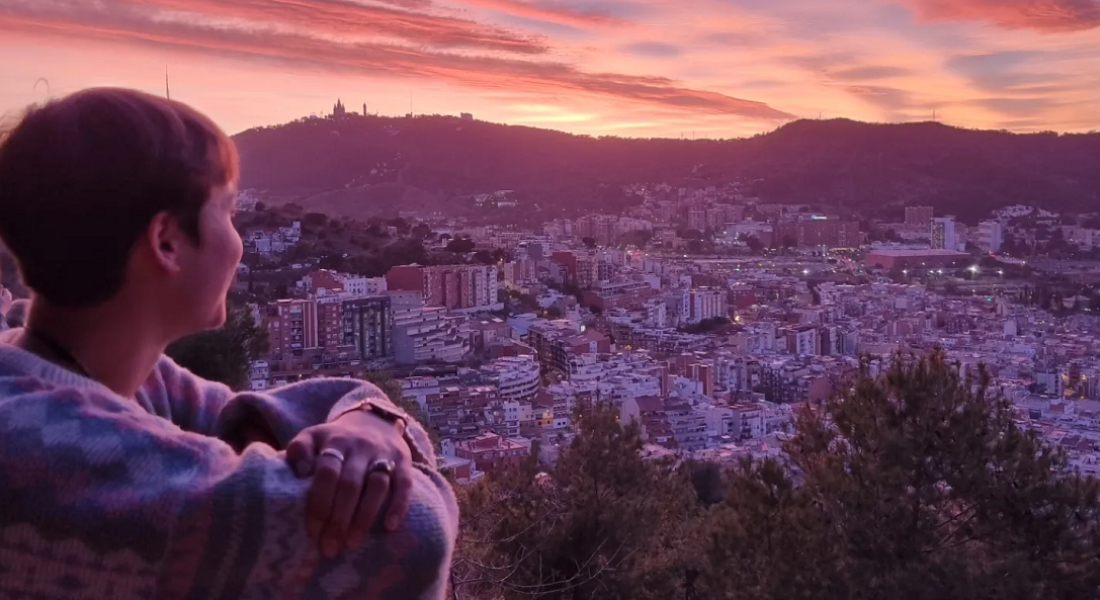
(358, 166)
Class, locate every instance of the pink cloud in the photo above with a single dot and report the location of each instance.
(563, 15)
(339, 17)
(72, 20)
(1041, 15)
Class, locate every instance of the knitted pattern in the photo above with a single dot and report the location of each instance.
(103, 497)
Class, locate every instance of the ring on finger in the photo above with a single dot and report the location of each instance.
(333, 452)
(382, 465)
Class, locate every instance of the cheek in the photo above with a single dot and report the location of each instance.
(230, 246)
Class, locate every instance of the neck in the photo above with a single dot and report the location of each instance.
(116, 343)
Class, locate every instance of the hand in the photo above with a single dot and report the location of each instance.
(346, 497)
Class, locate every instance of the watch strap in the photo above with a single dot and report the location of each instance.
(393, 415)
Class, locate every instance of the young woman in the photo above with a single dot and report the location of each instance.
(125, 476)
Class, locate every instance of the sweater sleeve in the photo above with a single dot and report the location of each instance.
(99, 495)
(210, 408)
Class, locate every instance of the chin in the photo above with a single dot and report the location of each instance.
(219, 318)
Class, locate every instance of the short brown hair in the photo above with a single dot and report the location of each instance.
(82, 177)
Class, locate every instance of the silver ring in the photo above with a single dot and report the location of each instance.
(382, 465)
(333, 452)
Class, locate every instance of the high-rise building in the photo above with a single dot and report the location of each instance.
(943, 233)
(330, 323)
(293, 327)
(368, 326)
(919, 216)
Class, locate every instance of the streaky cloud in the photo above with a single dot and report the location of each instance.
(1040, 15)
(72, 20)
(555, 14)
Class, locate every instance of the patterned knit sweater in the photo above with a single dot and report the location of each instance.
(103, 497)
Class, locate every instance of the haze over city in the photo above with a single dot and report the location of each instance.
(705, 68)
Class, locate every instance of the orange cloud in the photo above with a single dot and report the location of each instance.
(78, 20)
(1041, 15)
(563, 15)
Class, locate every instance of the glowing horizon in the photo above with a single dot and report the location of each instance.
(638, 68)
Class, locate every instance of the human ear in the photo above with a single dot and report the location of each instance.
(164, 240)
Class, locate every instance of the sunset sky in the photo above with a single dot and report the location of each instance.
(709, 68)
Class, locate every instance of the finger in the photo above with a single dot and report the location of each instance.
(349, 489)
(401, 492)
(301, 453)
(321, 494)
(378, 487)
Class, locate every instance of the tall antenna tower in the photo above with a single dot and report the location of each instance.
(167, 92)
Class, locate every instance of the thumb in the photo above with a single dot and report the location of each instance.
(300, 453)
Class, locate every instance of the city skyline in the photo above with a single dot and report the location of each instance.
(706, 68)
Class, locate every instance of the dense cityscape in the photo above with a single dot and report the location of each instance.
(705, 314)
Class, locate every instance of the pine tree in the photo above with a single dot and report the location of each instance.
(224, 354)
(915, 484)
(604, 522)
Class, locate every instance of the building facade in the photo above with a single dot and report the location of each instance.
(368, 326)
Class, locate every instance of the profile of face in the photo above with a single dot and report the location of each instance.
(193, 295)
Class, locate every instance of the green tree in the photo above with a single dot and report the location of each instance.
(604, 522)
(461, 246)
(315, 220)
(754, 244)
(223, 354)
(914, 484)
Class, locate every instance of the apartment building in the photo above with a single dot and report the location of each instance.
(703, 303)
(457, 287)
(490, 451)
(424, 334)
(367, 324)
(292, 327)
(517, 378)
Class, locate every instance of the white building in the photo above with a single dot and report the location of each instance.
(943, 233)
(703, 303)
(428, 334)
(518, 378)
(990, 236)
(748, 421)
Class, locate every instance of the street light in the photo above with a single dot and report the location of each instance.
(974, 268)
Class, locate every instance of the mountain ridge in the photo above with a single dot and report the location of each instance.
(426, 162)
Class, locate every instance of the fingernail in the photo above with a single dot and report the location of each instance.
(302, 468)
(331, 548)
(392, 523)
